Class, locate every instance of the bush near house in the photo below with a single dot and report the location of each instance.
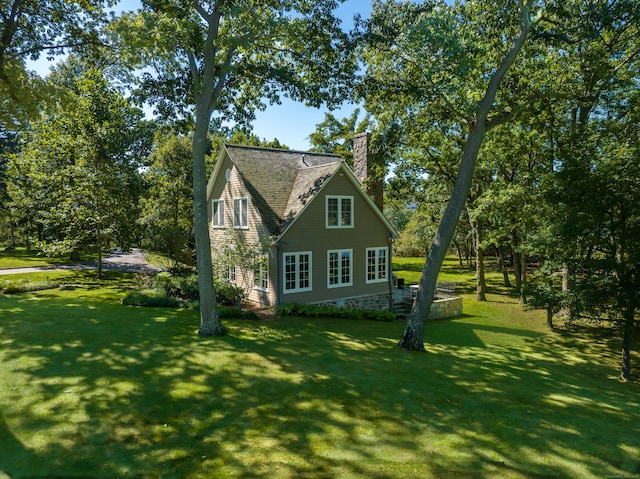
(177, 291)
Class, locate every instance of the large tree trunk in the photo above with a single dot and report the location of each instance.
(210, 324)
(413, 336)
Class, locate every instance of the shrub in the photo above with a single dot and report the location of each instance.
(24, 286)
(153, 298)
(226, 293)
(227, 312)
(185, 287)
(326, 311)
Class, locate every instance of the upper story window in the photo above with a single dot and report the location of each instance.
(339, 211)
(377, 264)
(217, 213)
(240, 213)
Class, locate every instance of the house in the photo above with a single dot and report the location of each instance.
(314, 235)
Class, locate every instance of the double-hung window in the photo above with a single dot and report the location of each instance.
(297, 272)
(261, 272)
(340, 268)
(377, 264)
(339, 211)
(240, 213)
(217, 213)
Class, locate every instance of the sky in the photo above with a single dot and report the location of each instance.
(290, 122)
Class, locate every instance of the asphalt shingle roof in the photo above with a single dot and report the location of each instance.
(282, 182)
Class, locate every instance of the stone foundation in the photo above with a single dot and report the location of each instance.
(376, 302)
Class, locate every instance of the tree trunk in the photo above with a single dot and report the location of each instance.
(503, 266)
(210, 324)
(516, 260)
(413, 336)
(99, 244)
(568, 284)
(627, 339)
(523, 279)
(481, 283)
(550, 316)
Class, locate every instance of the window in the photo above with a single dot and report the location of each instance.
(261, 272)
(376, 265)
(240, 213)
(297, 272)
(339, 211)
(217, 213)
(230, 263)
(339, 268)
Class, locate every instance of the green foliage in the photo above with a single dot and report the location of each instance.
(76, 182)
(152, 298)
(233, 312)
(25, 285)
(328, 311)
(167, 205)
(227, 293)
(185, 287)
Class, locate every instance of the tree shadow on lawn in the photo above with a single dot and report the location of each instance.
(116, 391)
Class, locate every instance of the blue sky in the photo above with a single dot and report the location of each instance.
(291, 122)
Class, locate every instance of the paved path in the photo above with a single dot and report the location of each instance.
(134, 261)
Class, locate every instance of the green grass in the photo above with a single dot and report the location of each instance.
(23, 258)
(91, 388)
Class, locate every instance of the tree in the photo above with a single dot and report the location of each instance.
(227, 57)
(32, 27)
(78, 173)
(167, 205)
(416, 44)
(591, 132)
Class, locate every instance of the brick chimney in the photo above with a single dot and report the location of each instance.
(365, 171)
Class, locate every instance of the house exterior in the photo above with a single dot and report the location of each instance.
(315, 235)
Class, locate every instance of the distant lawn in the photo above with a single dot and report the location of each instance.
(23, 258)
(90, 388)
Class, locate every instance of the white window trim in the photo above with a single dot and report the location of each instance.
(263, 272)
(339, 198)
(340, 284)
(377, 265)
(240, 226)
(297, 256)
(231, 271)
(218, 221)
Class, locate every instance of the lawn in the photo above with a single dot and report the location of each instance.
(24, 258)
(90, 388)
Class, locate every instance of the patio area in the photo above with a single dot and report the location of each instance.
(446, 304)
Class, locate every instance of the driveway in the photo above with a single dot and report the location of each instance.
(134, 261)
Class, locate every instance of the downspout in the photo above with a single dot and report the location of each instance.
(390, 273)
(279, 273)
(279, 268)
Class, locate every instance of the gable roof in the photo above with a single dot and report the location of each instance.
(282, 182)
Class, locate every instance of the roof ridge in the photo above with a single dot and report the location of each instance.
(282, 150)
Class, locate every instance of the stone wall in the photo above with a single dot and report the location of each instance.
(376, 302)
(446, 308)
